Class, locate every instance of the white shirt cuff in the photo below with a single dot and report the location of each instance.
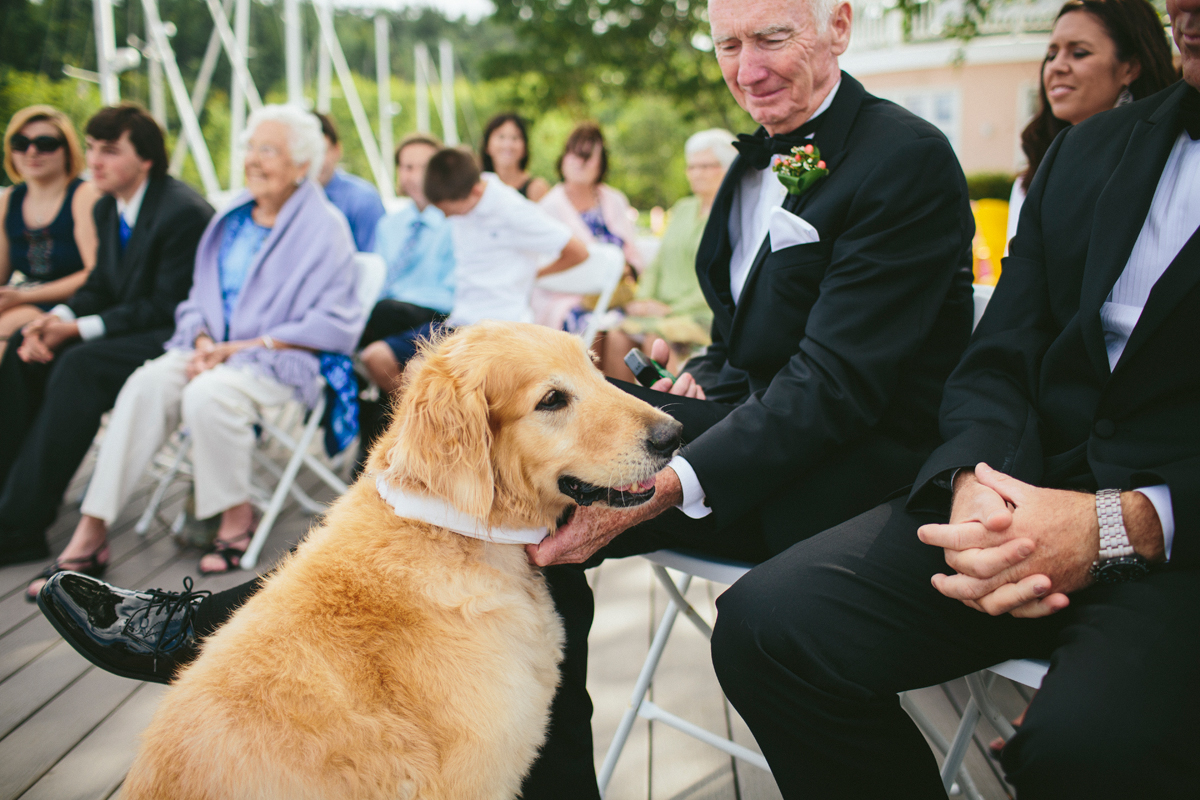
(90, 327)
(63, 312)
(693, 493)
(1160, 497)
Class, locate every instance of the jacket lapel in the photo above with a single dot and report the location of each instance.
(712, 259)
(1121, 211)
(1174, 284)
(133, 258)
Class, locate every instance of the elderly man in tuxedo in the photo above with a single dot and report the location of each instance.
(839, 312)
(1065, 501)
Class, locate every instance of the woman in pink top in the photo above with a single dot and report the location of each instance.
(594, 211)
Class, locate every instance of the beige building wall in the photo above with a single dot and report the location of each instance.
(981, 96)
(990, 105)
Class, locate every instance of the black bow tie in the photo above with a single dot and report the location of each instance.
(758, 149)
(1189, 113)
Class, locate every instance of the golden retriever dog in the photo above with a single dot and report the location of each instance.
(392, 658)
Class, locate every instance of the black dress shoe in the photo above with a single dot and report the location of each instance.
(147, 636)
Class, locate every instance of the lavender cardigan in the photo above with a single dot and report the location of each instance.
(300, 289)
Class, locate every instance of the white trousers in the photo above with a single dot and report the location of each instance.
(219, 408)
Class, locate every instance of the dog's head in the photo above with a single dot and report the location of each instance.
(514, 424)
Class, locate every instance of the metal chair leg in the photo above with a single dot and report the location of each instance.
(160, 491)
(640, 688)
(250, 559)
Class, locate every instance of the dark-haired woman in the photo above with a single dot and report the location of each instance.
(505, 152)
(48, 236)
(1102, 53)
(594, 211)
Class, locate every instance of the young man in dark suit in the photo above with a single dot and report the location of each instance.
(839, 313)
(65, 369)
(1065, 501)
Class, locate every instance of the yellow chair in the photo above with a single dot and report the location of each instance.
(991, 229)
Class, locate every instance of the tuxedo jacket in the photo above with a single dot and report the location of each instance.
(1034, 396)
(841, 345)
(136, 288)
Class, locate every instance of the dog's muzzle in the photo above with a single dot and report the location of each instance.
(585, 493)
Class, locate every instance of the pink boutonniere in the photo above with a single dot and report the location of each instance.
(800, 171)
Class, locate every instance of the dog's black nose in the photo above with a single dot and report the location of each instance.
(664, 437)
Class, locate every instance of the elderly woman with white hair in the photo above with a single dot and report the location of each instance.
(274, 285)
(669, 304)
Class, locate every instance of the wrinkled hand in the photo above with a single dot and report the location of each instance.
(57, 333)
(1024, 562)
(592, 527)
(42, 336)
(685, 385)
(647, 308)
(201, 350)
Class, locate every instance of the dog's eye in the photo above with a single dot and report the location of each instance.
(553, 400)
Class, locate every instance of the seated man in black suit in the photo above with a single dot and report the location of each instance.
(839, 312)
(65, 369)
(1065, 500)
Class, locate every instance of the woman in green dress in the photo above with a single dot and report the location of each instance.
(669, 304)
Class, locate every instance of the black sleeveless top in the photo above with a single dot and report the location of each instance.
(48, 253)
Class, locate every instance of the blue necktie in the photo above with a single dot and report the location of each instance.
(408, 251)
(126, 231)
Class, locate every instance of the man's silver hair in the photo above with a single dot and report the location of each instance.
(822, 11)
(306, 142)
(717, 140)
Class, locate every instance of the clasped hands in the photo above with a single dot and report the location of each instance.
(592, 527)
(1020, 549)
(43, 336)
(208, 354)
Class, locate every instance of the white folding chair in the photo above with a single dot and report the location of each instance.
(599, 274)
(692, 566)
(1024, 671)
(371, 271)
(727, 572)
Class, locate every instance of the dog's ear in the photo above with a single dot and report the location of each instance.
(443, 437)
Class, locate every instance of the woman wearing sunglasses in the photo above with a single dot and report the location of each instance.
(48, 236)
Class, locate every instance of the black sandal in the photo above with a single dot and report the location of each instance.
(230, 553)
(89, 565)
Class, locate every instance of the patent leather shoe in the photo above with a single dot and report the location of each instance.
(147, 636)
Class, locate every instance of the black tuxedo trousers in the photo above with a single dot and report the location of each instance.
(51, 413)
(813, 646)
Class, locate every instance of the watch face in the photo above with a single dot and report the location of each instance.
(1119, 570)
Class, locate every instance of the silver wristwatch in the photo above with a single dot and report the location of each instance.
(1117, 562)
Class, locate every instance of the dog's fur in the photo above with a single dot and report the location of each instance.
(391, 659)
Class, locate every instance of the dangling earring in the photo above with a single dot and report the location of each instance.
(1124, 97)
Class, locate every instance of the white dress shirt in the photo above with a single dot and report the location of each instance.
(92, 326)
(749, 215)
(1173, 219)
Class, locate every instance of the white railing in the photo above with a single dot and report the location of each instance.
(878, 24)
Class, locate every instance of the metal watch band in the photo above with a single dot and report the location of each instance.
(1114, 540)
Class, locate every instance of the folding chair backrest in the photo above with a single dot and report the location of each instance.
(600, 275)
(372, 270)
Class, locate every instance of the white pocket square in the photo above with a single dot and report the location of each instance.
(788, 230)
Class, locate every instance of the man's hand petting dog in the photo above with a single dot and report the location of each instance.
(592, 527)
(685, 385)
(1020, 549)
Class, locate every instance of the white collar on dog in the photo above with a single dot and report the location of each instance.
(442, 514)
